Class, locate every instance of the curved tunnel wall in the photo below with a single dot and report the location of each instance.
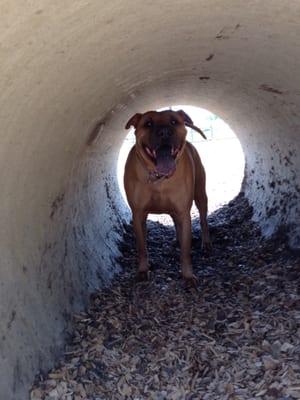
(65, 65)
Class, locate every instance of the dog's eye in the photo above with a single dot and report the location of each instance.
(174, 122)
(149, 124)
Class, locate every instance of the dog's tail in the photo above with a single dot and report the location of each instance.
(196, 129)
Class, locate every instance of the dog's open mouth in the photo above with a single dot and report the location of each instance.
(164, 159)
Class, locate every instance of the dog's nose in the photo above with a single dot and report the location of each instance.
(164, 133)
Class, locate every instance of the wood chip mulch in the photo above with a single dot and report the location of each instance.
(237, 336)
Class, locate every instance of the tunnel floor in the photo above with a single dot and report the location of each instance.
(237, 336)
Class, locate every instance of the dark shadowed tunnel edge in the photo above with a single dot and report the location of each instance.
(82, 257)
(276, 200)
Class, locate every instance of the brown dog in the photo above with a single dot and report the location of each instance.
(164, 174)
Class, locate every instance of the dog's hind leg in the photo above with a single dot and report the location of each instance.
(184, 229)
(201, 203)
(200, 198)
(139, 226)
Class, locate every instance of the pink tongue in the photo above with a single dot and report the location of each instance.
(165, 163)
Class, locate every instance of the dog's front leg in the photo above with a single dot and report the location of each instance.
(184, 227)
(139, 226)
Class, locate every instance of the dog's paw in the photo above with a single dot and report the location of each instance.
(142, 276)
(191, 281)
(207, 248)
(175, 244)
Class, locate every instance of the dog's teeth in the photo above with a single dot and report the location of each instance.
(151, 153)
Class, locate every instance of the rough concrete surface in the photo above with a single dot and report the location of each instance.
(234, 337)
(66, 64)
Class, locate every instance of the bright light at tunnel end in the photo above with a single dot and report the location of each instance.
(221, 155)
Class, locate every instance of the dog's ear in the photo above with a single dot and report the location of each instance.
(134, 121)
(189, 122)
(186, 117)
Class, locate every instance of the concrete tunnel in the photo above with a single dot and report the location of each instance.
(68, 67)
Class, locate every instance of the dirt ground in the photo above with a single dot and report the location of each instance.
(237, 336)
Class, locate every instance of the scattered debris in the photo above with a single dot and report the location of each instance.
(56, 204)
(227, 31)
(268, 88)
(236, 337)
(95, 132)
(210, 57)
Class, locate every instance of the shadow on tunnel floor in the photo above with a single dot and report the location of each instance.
(237, 336)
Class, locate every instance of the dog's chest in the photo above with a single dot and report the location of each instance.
(158, 197)
(163, 197)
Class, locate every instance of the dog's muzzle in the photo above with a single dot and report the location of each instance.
(165, 160)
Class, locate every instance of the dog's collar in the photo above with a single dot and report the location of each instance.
(155, 177)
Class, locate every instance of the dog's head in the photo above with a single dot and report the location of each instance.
(160, 138)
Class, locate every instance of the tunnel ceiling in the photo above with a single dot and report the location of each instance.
(66, 64)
